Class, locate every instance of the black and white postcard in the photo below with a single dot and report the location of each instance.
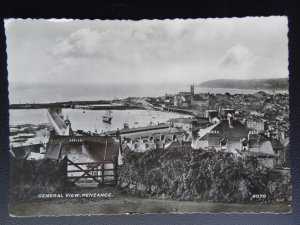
(148, 116)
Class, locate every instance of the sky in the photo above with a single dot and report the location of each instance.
(146, 51)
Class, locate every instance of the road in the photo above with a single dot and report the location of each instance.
(126, 204)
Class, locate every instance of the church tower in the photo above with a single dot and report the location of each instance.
(192, 89)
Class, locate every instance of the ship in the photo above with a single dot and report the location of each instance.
(126, 126)
(107, 117)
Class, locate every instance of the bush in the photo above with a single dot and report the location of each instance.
(32, 177)
(184, 173)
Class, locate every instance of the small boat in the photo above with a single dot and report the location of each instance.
(126, 126)
(107, 117)
(136, 122)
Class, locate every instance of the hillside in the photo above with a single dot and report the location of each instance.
(182, 173)
(277, 84)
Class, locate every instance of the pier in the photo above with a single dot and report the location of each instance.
(91, 105)
(191, 112)
(57, 121)
(139, 129)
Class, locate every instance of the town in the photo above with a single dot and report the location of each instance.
(244, 124)
(149, 116)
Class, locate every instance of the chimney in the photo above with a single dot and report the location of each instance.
(117, 133)
(251, 135)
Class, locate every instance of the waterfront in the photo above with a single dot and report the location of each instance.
(21, 93)
(25, 94)
(89, 120)
(226, 146)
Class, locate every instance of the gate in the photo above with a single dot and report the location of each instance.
(87, 172)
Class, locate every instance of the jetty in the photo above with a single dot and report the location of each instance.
(192, 112)
(139, 129)
(92, 105)
(56, 119)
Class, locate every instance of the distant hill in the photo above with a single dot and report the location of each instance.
(265, 84)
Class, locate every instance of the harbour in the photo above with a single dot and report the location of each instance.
(161, 114)
(92, 119)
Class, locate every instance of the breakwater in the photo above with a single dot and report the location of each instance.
(91, 105)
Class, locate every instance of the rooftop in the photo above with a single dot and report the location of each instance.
(189, 120)
(97, 148)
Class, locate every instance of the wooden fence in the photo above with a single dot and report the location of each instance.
(100, 172)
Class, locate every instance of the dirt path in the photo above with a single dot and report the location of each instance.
(121, 204)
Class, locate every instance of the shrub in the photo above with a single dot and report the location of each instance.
(184, 173)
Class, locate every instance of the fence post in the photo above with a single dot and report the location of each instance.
(102, 172)
(22, 170)
(65, 172)
(115, 169)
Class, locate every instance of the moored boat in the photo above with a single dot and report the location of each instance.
(107, 117)
(126, 126)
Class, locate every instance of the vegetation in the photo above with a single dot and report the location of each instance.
(265, 84)
(186, 174)
(32, 177)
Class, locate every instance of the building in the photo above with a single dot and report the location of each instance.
(189, 124)
(144, 141)
(192, 89)
(147, 143)
(203, 104)
(232, 136)
(210, 114)
(83, 148)
(256, 123)
(200, 100)
(183, 99)
(225, 111)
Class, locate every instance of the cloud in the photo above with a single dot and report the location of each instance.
(240, 60)
(131, 45)
(84, 42)
(182, 51)
(236, 56)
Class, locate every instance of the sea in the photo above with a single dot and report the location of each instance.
(47, 93)
(91, 120)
